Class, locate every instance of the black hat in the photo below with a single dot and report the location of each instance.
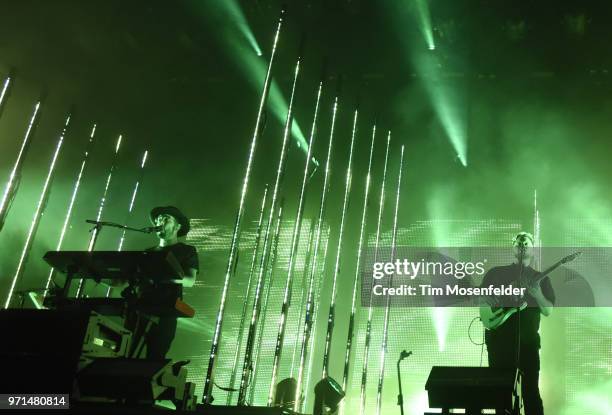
(174, 212)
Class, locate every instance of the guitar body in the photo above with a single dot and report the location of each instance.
(493, 317)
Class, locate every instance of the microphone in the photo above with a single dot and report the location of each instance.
(404, 354)
(152, 229)
(99, 223)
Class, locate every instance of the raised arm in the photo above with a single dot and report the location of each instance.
(544, 295)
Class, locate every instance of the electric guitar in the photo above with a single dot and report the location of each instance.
(492, 317)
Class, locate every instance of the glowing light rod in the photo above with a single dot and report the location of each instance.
(280, 172)
(364, 213)
(133, 199)
(270, 277)
(13, 182)
(314, 312)
(383, 349)
(332, 304)
(40, 208)
(96, 231)
(231, 263)
(368, 335)
(308, 316)
(303, 292)
(75, 191)
(4, 93)
(247, 366)
(102, 204)
(292, 254)
(262, 211)
(109, 290)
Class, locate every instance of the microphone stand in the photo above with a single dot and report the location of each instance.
(518, 314)
(400, 397)
(98, 227)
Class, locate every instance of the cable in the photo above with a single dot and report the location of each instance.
(472, 340)
(226, 389)
(482, 347)
(470, 335)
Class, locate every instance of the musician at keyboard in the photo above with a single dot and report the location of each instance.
(172, 224)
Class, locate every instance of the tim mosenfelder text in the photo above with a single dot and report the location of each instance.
(459, 270)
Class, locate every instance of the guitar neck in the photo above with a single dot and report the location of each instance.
(547, 271)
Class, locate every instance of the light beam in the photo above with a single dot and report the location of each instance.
(253, 66)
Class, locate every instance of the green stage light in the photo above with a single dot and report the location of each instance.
(424, 20)
(237, 17)
(441, 318)
(231, 34)
(278, 106)
(255, 73)
(437, 208)
(446, 102)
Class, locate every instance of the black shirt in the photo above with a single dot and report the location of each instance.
(187, 256)
(529, 317)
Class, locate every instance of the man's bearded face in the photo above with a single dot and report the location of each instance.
(523, 245)
(169, 226)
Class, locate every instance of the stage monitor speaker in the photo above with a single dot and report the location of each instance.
(40, 349)
(241, 410)
(473, 388)
(117, 378)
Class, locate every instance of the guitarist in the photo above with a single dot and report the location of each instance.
(516, 343)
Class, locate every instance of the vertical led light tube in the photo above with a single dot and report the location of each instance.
(313, 129)
(95, 232)
(270, 278)
(4, 93)
(292, 254)
(364, 215)
(331, 316)
(383, 349)
(303, 292)
(102, 204)
(133, 198)
(75, 191)
(40, 208)
(280, 171)
(231, 263)
(368, 335)
(262, 211)
(537, 239)
(13, 182)
(313, 269)
(313, 334)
